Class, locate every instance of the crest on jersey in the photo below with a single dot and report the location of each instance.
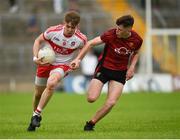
(64, 43)
(73, 43)
(131, 44)
(98, 74)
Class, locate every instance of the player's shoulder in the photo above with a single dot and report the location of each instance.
(110, 31)
(137, 36)
(109, 34)
(80, 35)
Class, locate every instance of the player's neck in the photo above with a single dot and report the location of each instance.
(68, 36)
(126, 35)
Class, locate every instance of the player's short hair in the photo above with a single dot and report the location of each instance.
(126, 21)
(72, 17)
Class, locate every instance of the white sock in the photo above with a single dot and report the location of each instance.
(37, 112)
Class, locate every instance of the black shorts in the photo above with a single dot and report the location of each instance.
(104, 75)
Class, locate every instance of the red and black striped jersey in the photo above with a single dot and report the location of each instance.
(118, 50)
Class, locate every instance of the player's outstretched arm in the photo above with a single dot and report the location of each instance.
(76, 62)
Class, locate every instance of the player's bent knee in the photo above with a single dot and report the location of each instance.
(91, 99)
(51, 84)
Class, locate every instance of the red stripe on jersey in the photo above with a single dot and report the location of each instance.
(82, 37)
(60, 49)
(44, 37)
(55, 28)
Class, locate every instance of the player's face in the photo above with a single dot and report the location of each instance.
(69, 29)
(123, 31)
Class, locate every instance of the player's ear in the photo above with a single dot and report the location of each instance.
(64, 22)
(78, 26)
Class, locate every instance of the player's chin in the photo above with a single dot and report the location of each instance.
(45, 64)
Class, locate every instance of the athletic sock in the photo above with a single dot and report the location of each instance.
(37, 112)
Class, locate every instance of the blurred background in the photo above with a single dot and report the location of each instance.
(157, 22)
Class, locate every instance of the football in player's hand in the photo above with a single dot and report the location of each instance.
(47, 54)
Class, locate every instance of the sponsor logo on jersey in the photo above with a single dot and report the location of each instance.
(55, 38)
(64, 43)
(62, 50)
(122, 51)
(131, 44)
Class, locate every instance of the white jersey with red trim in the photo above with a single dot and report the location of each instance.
(65, 48)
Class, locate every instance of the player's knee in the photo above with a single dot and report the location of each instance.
(51, 84)
(91, 99)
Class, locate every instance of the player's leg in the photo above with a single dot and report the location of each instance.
(45, 97)
(96, 84)
(37, 95)
(40, 85)
(114, 92)
(55, 76)
(51, 85)
(94, 90)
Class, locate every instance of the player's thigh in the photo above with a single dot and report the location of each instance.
(56, 75)
(95, 88)
(114, 90)
(53, 79)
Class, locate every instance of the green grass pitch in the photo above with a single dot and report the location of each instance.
(138, 115)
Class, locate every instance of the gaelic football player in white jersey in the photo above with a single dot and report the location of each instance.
(65, 40)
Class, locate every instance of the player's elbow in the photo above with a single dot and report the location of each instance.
(39, 39)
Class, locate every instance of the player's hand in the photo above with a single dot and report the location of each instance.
(130, 73)
(75, 64)
(39, 61)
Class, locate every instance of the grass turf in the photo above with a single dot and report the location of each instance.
(140, 115)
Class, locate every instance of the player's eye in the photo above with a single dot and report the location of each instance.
(72, 27)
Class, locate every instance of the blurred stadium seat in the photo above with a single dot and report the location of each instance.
(97, 16)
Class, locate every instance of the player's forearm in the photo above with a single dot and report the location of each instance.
(84, 51)
(134, 60)
(36, 48)
(88, 46)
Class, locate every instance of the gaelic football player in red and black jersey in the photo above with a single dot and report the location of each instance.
(116, 64)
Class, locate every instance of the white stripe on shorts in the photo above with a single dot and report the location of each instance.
(58, 70)
(39, 81)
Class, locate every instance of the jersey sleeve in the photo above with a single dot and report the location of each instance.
(82, 38)
(107, 36)
(83, 42)
(138, 44)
